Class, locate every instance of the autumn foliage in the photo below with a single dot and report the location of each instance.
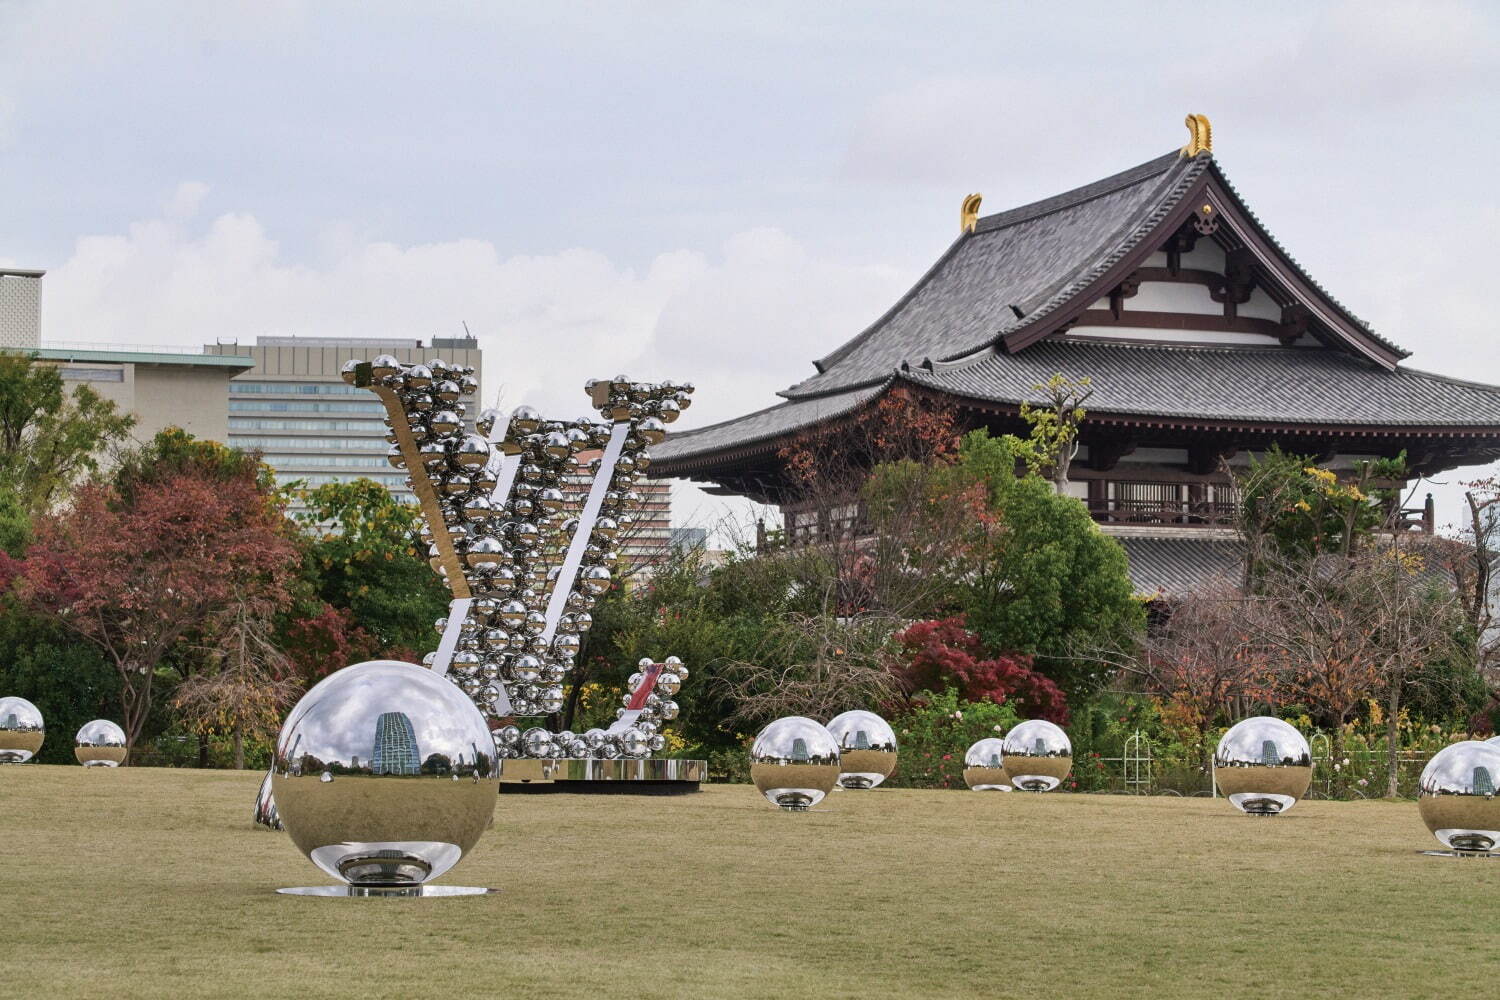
(133, 577)
(943, 653)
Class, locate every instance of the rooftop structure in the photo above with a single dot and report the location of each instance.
(20, 307)
(1204, 339)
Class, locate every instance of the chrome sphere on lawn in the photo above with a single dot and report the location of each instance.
(385, 774)
(1263, 766)
(984, 766)
(265, 806)
(794, 762)
(21, 730)
(867, 748)
(100, 743)
(1456, 796)
(1038, 755)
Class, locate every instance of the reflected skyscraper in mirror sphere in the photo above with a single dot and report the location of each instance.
(1263, 765)
(794, 762)
(1038, 755)
(1457, 798)
(867, 748)
(21, 730)
(353, 790)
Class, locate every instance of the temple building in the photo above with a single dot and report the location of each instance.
(1205, 341)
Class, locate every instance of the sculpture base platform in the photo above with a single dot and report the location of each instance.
(652, 776)
(385, 891)
(1473, 855)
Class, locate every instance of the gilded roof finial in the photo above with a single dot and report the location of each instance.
(1200, 136)
(968, 215)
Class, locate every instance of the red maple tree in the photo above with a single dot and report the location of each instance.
(135, 573)
(943, 652)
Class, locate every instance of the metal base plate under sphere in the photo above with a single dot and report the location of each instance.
(651, 776)
(385, 891)
(1470, 855)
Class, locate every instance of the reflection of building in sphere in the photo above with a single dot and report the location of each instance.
(799, 750)
(11, 722)
(395, 745)
(1268, 754)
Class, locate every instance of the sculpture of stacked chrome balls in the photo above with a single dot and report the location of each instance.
(524, 571)
(1263, 766)
(1457, 799)
(100, 743)
(21, 730)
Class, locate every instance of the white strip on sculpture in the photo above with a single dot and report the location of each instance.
(458, 610)
(563, 585)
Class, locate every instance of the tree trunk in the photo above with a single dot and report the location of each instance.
(135, 704)
(1336, 752)
(1392, 741)
(239, 748)
(202, 749)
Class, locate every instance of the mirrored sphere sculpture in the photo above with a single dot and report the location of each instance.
(794, 762)
(1263, 766)
(984, 766)
(21, 730)
(100, 743)
(1456, 796)
(1038, 755)
(265, 806)
(867, 748)
(385, 774)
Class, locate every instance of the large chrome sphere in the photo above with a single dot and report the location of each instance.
(265, 806)
(100, 743)
(867, 748)
(1038, 755)
(1456, 796)
(21, 730)
(385, 774)
(984, 766)
(794, 762)
(1263, 766)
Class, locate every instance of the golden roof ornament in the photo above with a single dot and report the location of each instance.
(1200, 136)
(968, 215)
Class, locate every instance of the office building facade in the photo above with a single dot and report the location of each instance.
(309, 425)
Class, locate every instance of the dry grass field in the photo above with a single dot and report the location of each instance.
(153, 883)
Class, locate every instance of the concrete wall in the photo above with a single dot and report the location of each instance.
(195, 399)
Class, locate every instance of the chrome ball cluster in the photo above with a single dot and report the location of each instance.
(505, 540)
(640, 738)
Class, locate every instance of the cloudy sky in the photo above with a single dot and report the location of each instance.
(711, 192)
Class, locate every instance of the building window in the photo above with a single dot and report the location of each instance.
(366, 445)
(267, 406)
(93, 374)
(334, 461)
(252, 424)
(296, 388)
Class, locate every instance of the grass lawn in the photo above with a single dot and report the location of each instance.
(153, 883)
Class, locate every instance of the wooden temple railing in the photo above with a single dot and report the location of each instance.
(1122, 502)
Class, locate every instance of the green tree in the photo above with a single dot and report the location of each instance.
(71, 682)
(50, 439)
(1034, 575)
(361, 555)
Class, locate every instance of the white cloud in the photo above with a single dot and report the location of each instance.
(740, 323)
